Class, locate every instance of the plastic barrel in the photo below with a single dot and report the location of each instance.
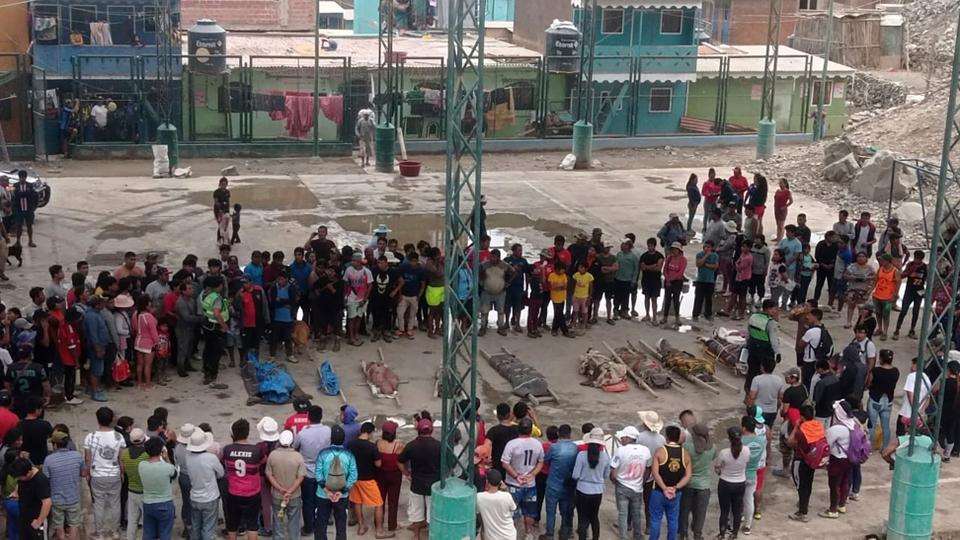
(453, 511)
(385, 141)
(766, 138)
(914, 492)
(583, 144)
(167, 134)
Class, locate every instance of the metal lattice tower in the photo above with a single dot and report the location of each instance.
(166, 36)
(463, 94)
(944, 265)
(770, 60)
(386, 74)
(584, 105)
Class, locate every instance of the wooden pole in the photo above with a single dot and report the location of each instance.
(630, 372)
(659, 358)
(702, 384)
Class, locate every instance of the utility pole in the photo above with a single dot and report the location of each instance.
(767, 127)
(820, 121)
(583, 127)
(387, 85)
(316, 79)
(915, 479)
(453, 501)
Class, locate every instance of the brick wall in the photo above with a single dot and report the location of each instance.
(748, 21)
(251, 14)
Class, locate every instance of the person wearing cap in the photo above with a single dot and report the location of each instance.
(336, 474)
(708, 261)
(419, 461)
(285, 471)
(389, 476)
(243, 463)
(251, 307)
(630, 461)
(204, 469)
(182, 437)
(383, 295)
(310, 441)
(64, 468)
(380, 232)
(130, 459)
(522, 460)
(26, 379)
(366, 492)
(299, 419)
(496, 508)
(358, 281)
(283, 298)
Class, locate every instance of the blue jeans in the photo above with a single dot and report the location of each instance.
(660, 505)
(880, 410)
(339, 511)
(287, 527)
(562, 497)
(308, 496)
(158, 520)
(204, 519)
(12, 508)
(856, 478)
(629, 504)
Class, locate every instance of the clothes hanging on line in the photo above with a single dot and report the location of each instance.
(269, 102)
(100, 33)
(332, 108)
(298, 111)
(501, 113)
(45, 28)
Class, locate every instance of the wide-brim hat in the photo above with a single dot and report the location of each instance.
(730, 226)
(268, 430)
(651, 420)
(629, 432)
(185, 432)
(594, 437)
(676, 245)
(199, 442)
(123, 301)
(391, 258)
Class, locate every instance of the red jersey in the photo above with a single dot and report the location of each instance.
(68, 345)
(8, 421)
(243, 463)
(740, 184)
(170, 304)
(296, 422)
(710, 191)
(249, 310)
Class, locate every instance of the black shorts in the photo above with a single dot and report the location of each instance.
(242, 512)
(601, 288)
(651, 287)
(741, 287)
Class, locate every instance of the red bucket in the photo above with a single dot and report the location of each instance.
(410, 168)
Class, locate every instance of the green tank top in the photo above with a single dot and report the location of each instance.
(131, 468)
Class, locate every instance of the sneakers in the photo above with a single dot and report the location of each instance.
(895, 336)
(853, 496)
(99, 396)
(912, 335)
(842, 509)
(829, 514)
(745, 531)
(757, 516)
(802, 518)
(74, 401)
(293, 360)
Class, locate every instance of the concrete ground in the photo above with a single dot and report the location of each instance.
(97, 217)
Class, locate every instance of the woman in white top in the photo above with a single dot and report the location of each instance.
(731, 465)
(838, 471)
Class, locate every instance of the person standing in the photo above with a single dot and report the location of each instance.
(419, 461)
(674, 269)
(251, 306)
(310, 441)
(64, 468)
(711, 194)
(859, 278)
(33, 491)
(557, 282)
(130, 459)
(807, 431)
(825, 256)
(696, 494)
(365, 130)
(915, 274)
(216, 314)
(358, 281)
(754, 440)
(590, 471)
(389, 477)
(517, 290)
(763, 342)
(242, 464)
(763, 392)
(885, 293)
(157, 477)
(283, 298)
(627, 469)
(651, 269)
(731, 465)
(285, 471)
(25, 202)
(522, 459)
(839, 468)
(204, 469)
(693, 200)
(366, 492)
(336, 474)
(495, 277)
(707, 263)
(782, 200)
(496, 508)
(628, 269)
(188, 322)
(882, 383)
(101, 450)
(671, 473)
(383, 297)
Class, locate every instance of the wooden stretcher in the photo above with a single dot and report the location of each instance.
(373, 388)
(536, 398)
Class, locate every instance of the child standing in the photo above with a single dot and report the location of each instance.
(223, 228)
(235, 221)
(741, 283)
(777, 279)
(582, 292)
(761, 260)
(557, 280)
(162, 352)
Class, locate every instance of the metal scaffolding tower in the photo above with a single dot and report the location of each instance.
(464, 96)
(386, 74)
(584, 104)
(766, 134)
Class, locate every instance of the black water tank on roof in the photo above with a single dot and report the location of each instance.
(563, 47)
(207, 45)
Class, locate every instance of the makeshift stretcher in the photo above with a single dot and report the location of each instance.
(381, 380)
(603, 372)
(527, 382)
(699, 371)
(645, 371)
(726, 347)
(329, 382)
(268, 382)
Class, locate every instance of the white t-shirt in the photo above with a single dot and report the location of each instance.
(907, 408)
(733, 469)
(812, 338)
(99, 113)
(838, 437)
(630, 462)
(523, 454)
(105, 449)
(866, 351)
(496, 511)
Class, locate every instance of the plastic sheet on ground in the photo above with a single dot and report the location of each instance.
(267, 382)
(524, 379)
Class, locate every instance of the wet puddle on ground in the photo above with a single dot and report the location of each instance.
(118, 231)
(264, 194)
(501, 227)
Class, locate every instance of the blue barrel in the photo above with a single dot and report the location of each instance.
(766, 138)
(913, 494)
(583, 144)
(453, 511)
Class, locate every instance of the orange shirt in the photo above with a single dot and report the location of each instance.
(886, 288)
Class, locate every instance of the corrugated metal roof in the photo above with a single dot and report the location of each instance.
(325, 7)
(644, 4)
(646, 77)
(747, 61)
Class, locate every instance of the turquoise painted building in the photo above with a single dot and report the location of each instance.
(499, 10)
(645, 57)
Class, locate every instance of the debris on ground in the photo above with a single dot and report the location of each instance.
(229, 171)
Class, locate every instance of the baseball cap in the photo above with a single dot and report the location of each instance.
(286, 438)
(389, 426)
(137, 435)
(424, 426)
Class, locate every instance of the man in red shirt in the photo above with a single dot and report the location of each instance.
(740, 185)
(711, 194)
(68, 347)
(558, 252)
(251, 307)
(299, 419)
(8, 419)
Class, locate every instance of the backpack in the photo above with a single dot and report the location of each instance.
(816, 454)
(336, 476)
(824, 349)
(858, 451)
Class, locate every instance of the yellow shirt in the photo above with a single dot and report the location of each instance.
(558, 287)
(582, 290)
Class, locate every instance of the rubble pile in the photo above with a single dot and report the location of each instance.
(931, 30)
(869, 92)
(914, 129)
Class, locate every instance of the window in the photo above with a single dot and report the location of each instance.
(524, 96)
(671, 21)
(80, 19)
(612, 21)
(121, 24)
(661, 100)
(808, 4)
(149, 19)
(815, 95)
